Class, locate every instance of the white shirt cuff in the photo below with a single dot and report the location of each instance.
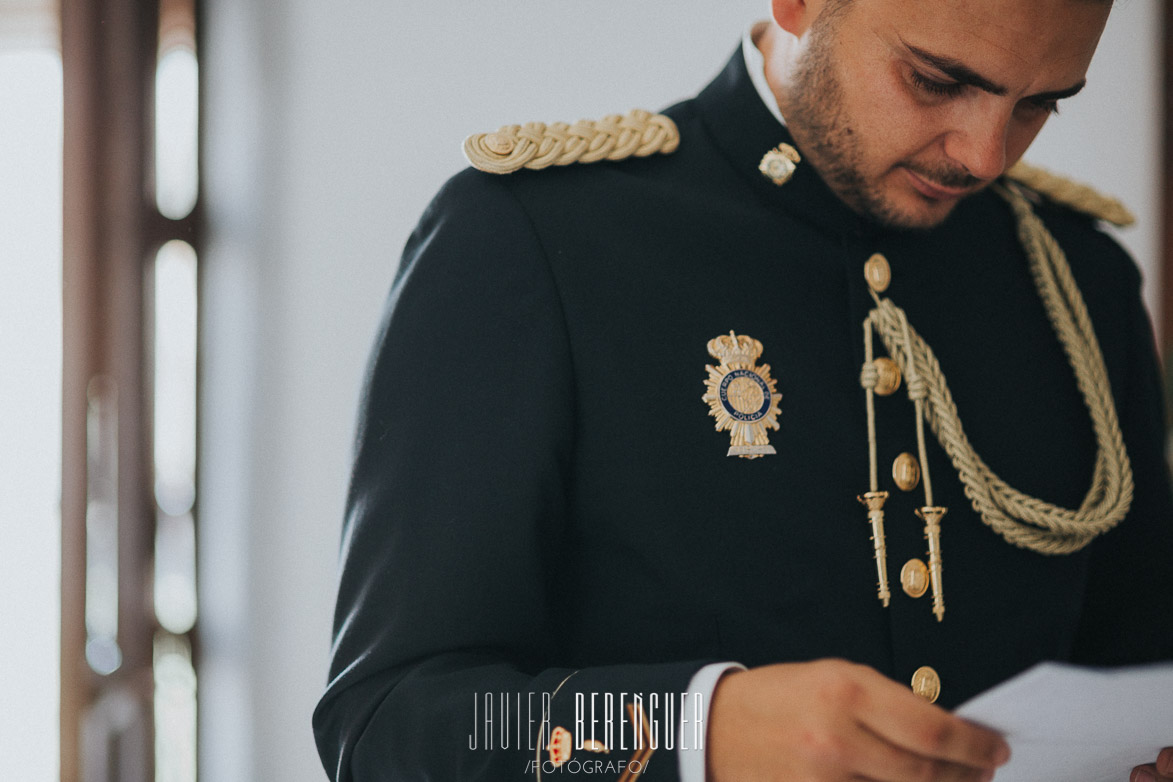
(694, 719)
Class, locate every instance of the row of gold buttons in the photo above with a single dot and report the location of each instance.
(914, 576)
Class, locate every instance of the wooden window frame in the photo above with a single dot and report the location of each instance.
(112, 231)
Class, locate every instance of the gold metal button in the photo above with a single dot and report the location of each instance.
(914, 578)
(877, 272)
(926, 683)
(888, 376)
(906, 471)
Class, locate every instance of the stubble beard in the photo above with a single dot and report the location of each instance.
(813, 108)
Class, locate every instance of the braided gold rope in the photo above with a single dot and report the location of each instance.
(1079, 197)
(1023, 520)
(536, 145)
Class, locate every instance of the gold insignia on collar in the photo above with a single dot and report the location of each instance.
(741, 396)
(779, 163)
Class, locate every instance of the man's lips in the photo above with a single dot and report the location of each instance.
(933, 190)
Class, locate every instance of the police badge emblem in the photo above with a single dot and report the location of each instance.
(741, 396)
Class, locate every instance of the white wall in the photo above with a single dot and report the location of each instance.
(329, 126)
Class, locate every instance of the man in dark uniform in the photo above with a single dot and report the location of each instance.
(553, 563)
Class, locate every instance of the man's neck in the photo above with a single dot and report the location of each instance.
(778, 51)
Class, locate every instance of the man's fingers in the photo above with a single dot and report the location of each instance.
(893, 712)
(1165, 762)
(878, 759)
(1161, 771)
(1146, 773)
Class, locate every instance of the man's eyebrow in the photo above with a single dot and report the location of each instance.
(1059, 94)
(963, 74)
(959, 72)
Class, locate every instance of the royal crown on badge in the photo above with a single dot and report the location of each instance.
(742, 396)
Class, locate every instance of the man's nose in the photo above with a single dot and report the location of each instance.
(979, 145)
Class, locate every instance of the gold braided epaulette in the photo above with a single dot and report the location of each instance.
(1079, 197)
(537, 145)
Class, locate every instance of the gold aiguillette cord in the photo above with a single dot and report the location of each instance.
(931, 514)
(874, 498)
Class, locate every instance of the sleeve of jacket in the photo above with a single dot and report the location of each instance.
(456, 518)
(1129, 593)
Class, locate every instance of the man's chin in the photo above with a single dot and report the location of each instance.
(910, 216)
(897, 203)
(913, 210)
(922, 220)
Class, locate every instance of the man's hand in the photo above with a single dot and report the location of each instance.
(1161, 771)
(832, 721)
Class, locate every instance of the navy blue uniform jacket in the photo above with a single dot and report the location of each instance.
(538, 488)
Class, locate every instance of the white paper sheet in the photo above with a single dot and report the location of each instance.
(1074, 724)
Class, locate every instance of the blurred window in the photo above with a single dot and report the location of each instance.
(129, 489)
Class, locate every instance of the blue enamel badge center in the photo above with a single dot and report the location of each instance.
(741, 395)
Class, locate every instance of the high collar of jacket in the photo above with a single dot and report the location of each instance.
(745, 130)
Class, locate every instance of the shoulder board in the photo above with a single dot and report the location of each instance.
(537, 145)
(1079, 197)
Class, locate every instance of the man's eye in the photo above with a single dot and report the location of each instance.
(1047, 106)
(934, 87)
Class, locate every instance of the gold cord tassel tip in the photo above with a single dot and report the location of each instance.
(932, 518)
(874, 500)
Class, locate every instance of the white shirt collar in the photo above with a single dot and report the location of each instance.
(755, 63)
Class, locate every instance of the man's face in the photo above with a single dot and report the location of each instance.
(907, 106)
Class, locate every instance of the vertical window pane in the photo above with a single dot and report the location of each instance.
(176, 132)
(30, 395)
(175, 585)
(175, 710)
(175, 377)
(102, 650)
(176, 303)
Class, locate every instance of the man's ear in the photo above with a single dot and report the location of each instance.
(795, 16)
